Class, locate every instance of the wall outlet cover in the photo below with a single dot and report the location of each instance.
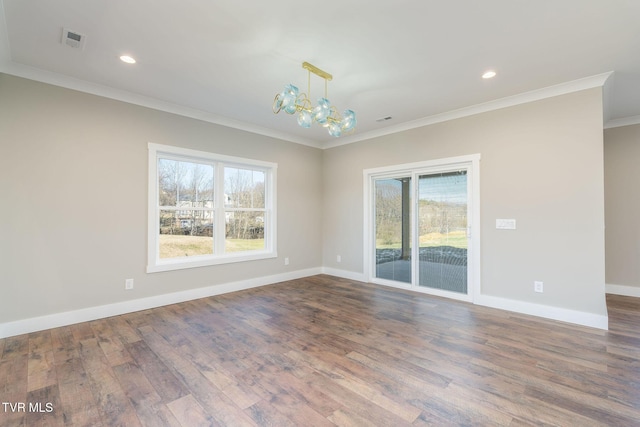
(538, 286)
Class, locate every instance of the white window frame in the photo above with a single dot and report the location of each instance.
(155, 263)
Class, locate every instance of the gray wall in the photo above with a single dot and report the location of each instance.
(622, 205)
(73, 174)
(542, 164)
(74, 198)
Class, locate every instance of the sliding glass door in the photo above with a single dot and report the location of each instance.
(419, 222)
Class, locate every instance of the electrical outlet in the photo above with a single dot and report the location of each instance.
(339, 258)
(538, 286)
(128, 284)
(286, 261)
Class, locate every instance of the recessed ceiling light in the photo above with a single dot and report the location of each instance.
(489, 75)
(127, 59)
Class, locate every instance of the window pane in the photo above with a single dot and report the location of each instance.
(185, 184)
(185, 233)
(393, 227)
(442, 213)
(244, 188)
(245, 231)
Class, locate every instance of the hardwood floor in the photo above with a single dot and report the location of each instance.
(324, 351)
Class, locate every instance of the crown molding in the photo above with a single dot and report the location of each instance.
(56, 79)
(625, 121)
(19, 70)
(5, 49)
(535, 95)
(7, 66)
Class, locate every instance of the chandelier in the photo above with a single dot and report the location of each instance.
(291, 101)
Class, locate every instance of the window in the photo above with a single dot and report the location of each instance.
(419, 219)
(207, 209)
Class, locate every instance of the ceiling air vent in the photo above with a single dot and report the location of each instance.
(383, 119)
(73, 39)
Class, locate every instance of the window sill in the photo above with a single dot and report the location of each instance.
(206, 261)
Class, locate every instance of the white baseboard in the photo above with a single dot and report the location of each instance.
(548, 312)
(351, 275)
(539, 310)
(625, 290)
(25, 326)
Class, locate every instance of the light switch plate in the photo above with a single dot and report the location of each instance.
(506, 224)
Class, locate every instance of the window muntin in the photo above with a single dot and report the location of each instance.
(208, 209)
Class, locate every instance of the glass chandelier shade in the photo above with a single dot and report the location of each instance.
(291, 101)
(289, 96)
(321, 111)
(305, 119)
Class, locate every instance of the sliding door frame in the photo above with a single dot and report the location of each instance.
(471, 163)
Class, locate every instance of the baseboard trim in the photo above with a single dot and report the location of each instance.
(350, 275)
(56, 320)
(548, 312)
(624, 290)
(521, 307)
(35, 324)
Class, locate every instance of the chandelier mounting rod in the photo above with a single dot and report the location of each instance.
(317, 71)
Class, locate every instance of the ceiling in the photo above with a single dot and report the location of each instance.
(415, 61)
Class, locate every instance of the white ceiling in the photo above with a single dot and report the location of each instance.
(413, 60)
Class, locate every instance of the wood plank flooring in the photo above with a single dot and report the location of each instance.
(323, 351)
